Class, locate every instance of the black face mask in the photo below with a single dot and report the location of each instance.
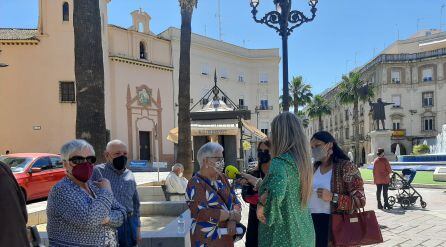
(119, 162)
(264, 156)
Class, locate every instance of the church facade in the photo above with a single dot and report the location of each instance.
(38, 89)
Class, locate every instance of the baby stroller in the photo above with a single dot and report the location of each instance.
(407, 195)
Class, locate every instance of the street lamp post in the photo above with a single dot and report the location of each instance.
(284, 21)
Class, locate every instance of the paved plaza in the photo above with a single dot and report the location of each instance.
(401, 228)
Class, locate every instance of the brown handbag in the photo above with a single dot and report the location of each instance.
(357, 228)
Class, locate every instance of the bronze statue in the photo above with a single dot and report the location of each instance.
(379, 113)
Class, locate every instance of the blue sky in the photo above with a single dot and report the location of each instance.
(320, 51)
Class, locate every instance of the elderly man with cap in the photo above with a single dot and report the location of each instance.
(176, 183)
(123, 185)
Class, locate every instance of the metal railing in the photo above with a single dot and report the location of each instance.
(407, 57)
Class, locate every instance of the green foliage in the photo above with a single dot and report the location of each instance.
(318, 107)
(421, 149)
(352, 89)
(300, 94)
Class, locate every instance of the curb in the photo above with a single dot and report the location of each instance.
(424, 186)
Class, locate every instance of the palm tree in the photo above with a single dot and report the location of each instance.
(318, 108)
(184, 130)
(300, 94)
(89, 74)
(351, 91)
(304, 118)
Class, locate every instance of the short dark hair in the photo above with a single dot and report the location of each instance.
(380, 151)
(266, 142)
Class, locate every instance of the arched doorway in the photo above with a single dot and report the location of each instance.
(403, 150)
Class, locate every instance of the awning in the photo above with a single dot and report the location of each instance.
(251, 128)
(216, 128)
(208, 128)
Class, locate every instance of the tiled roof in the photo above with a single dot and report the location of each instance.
(18, 34)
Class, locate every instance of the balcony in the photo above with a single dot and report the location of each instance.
(393, 58)
(264, 108)
(401, 133)
(242, 107)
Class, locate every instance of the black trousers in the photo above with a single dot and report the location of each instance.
(253, 226)
(321, 224)
(384, 188)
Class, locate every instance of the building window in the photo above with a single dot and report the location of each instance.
(263, 77)
(205, 69)
(264, 131)
(427, 74)
(223, 73)
(241, 77)
(264, 104)
(396, 125)
(396, 100)
(347, 133)
(67, 92)
(142, 50)
(396, 76)
(428, 123)
(336, 120)
(241, 102)
(361, 111)
(66, 11)
(428, 99)
(346, 115)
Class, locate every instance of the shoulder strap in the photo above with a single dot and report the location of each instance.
(216, 191)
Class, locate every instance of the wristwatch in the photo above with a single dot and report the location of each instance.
(335, 198)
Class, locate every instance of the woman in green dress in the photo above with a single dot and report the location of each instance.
(285, 191)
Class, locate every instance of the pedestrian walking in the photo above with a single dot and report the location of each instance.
(381, 177)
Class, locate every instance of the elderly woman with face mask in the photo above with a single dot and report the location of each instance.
(81, 212)
(337, 185)
(214, 207)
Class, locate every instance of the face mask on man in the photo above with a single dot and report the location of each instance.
(264, 156)
(119, 162)
(318, 153)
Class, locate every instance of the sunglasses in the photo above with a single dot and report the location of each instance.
(77, 160)
(263, 150)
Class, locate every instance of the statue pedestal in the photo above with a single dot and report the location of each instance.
(381, 139)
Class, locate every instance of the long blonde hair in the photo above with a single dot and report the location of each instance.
(287, 136)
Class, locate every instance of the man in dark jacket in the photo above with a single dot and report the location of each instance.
(13, 213)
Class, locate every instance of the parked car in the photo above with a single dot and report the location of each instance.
(36, 173)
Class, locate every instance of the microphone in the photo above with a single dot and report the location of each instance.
(232, 172)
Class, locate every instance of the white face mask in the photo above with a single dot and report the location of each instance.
(180, 175)
(219, 166)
